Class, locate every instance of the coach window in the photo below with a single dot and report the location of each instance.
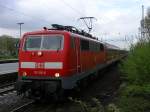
(72, 43)
(101, 47)
(95, 47)
(84, 45)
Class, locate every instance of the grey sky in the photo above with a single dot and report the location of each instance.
(115, 18)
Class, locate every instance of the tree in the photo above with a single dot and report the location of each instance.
(7, 46)
(146, 24)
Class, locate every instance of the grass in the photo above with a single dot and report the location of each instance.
(8, 57)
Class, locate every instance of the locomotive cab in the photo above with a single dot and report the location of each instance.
(41, 62)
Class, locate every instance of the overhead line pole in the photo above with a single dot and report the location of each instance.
(20, 24)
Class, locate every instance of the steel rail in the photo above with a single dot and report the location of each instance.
(22, 107)
(6, 89)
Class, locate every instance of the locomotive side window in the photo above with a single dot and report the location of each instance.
(72, 42)
(91, 46)
(94, 47)
(84, 45)
(101, 47)
(49, 42)
(97, 47)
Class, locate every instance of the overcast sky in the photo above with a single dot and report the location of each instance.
(115, 18)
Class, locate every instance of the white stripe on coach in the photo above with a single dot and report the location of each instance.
(27, 64)
(54, 65)
(48, 65)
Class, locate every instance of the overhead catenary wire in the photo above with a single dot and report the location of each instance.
(88, 24)
(71, 7)
(31, 17)
(47, 7)
(21, 13)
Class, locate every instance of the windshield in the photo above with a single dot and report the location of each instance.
(50, 42)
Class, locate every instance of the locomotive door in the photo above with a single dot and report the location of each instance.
(77, 47)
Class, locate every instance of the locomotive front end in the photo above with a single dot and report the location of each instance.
(41, 63)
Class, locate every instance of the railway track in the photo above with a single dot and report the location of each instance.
(7, 88)
(33, 106)
(8, 77)
(23, 107)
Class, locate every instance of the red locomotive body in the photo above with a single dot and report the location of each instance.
(52, 60)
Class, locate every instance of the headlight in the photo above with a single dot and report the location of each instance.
(39, 53)
(24, 74)
(57, 75)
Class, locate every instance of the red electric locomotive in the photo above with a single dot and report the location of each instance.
(57, 59)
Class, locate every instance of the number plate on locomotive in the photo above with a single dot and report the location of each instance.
(39, 65)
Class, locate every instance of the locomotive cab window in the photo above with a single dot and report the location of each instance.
(33, 43)
(49, 42)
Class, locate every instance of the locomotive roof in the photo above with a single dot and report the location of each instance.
(108, 46)
(71, 30)
(40, 32)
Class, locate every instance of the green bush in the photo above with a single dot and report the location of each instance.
(7, 47)
(137, 66)
(135, 96)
